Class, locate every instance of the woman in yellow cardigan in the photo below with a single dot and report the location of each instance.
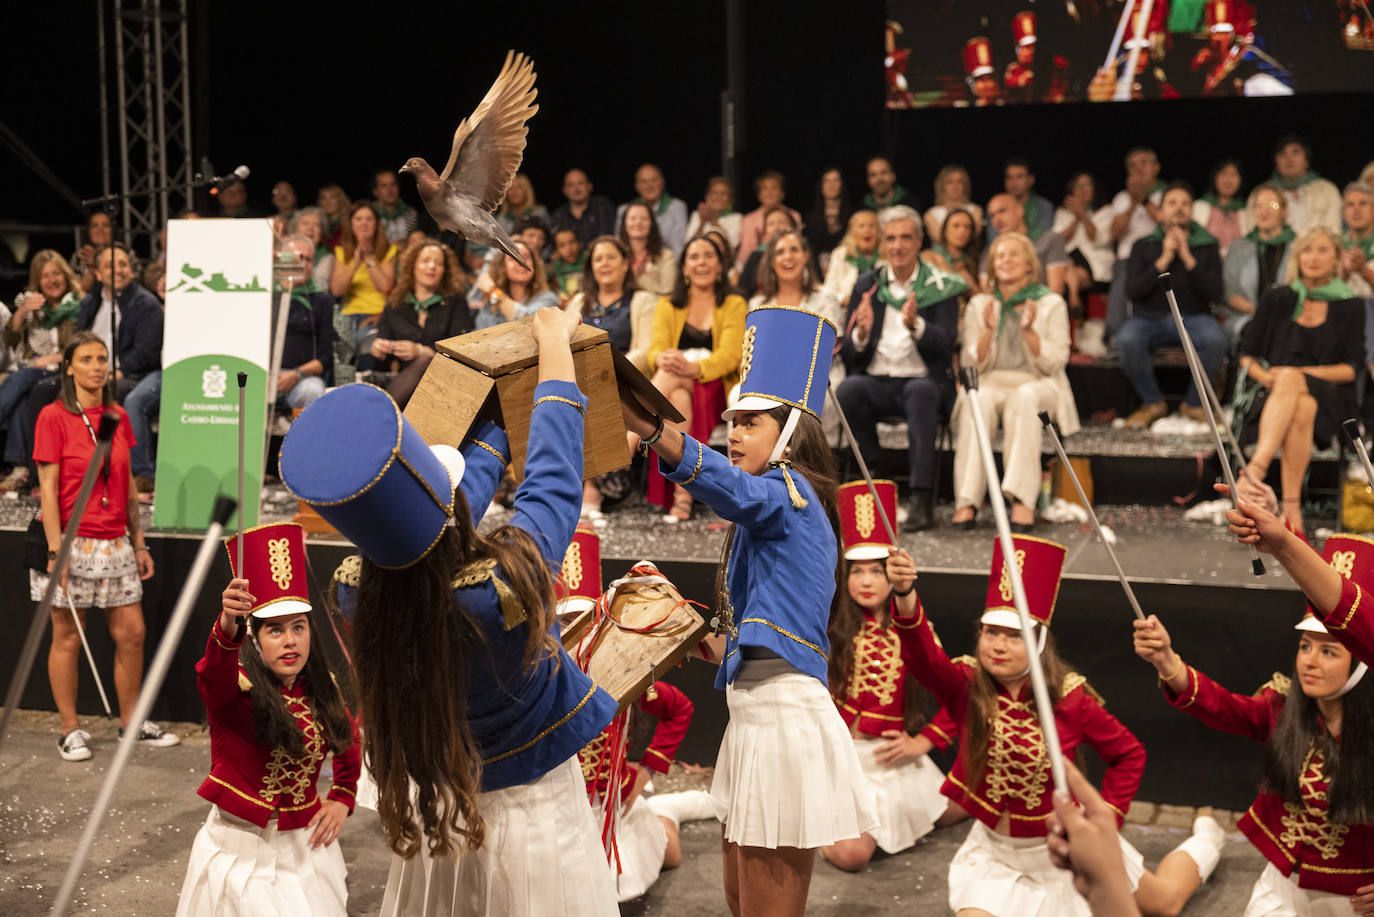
(694, 354)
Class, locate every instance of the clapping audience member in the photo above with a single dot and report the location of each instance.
(953, 189)
(608, 300)
(1086, 231)
(1018, 180)
(1222, 211)
(1017, 337)
(1304, 349)
(109, 560)
(335, 205)
(427, 306)
(310, 222)
(1189, 254)
(717, 211)
(1312, 200)
(284, 200)
(883, 190)
(568, 263)
(138, 371)
(1005, 214)
(828, 218)
(99, 233)
(364, 273)
(1257, 260)
(586, 214)
(775, 222)
(519, 204)
(669, 213)
(697, 340)
(1357, 243)
(898, 348)
(44, 319)
(1135, 213)
(307, 355)
(651, 258)
(399, 219)
(957, 250)
(770, 188)
(507, 289)
(857, 254)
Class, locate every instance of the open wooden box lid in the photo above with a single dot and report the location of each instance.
(496, 352)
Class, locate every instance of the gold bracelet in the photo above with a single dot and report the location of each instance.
(1178, 668)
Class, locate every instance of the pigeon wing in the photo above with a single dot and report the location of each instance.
(490, 143)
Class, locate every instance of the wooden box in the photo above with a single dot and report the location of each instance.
(503, 362)
(650, 628)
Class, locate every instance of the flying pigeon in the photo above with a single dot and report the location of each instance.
(487, 149)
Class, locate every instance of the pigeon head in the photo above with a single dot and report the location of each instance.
(425, 176)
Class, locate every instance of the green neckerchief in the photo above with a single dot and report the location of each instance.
(301, 292)
(1285, 236)
(1031, 209)
(423, 305)
(563, 271)
(67, 309)
(929, 283)
(1196, 235)
(1237, 203)
(1029, 291)
(321, 251)
(1294, 184)
(950, 258)
(864, 263)
(899, 196)
(391, 213)
(1365, 245)
(1334, 289)
(662, 207)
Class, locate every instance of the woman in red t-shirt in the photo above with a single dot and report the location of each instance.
(109, 559)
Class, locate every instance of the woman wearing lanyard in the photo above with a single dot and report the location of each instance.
(108, 558)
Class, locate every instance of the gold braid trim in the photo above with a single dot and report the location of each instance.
(1354, 606)
(492, 449)
(696, 469)
(561, 400)
(786, 633)
(544, 733)
(1279, 684)
(349, 571)
(798, 501)
(484, 571)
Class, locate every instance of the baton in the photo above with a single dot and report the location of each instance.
(863, 466)
(1201, 383)
(238, 539)
(1078, 486)
(108, 422)
(81, 632)
(1116, 39)
(969, 377)
(152, 683)
(1127, 82)
(1352, 430)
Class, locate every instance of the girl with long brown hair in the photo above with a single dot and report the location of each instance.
(787, 780)
(1001, 776)
(472, 712)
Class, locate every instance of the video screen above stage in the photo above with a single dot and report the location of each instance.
(977, 53)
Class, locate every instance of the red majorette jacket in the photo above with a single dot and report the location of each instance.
(247, 779)
(672, 709)
(1016, 779)
(876, 692)
(1327, 857)
(1352, 622)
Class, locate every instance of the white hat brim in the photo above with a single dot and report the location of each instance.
(1311, 624)
(282, 608)
(453, 462)
(750, 403)
(1002, 617)
(867, 552)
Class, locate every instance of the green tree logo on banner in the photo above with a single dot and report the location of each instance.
(193, 280)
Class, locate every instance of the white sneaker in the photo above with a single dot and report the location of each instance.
(152, 735)
(72, 746)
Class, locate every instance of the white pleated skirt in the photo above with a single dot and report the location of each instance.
(1013, 877)
(907, 796)
(1277, 895)
(542, 855)
(240, 870)
(640, 840)
(787, 774)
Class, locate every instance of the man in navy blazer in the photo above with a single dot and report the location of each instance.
(898, 344)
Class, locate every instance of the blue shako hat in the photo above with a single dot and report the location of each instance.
(785, 360)
(355, 459)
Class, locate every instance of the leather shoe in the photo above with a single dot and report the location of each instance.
(919, 515)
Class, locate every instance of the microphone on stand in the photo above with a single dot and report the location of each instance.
(220, 182)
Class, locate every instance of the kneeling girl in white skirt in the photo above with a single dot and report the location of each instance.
(1002, 777)
(787, 780)
(472, 711)
(275, 711)
(869, 680)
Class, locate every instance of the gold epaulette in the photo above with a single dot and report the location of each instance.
(965, 660)
(349, 571)
(1279, 684)
(244, 684)
(482, 571)
(1074, 680)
